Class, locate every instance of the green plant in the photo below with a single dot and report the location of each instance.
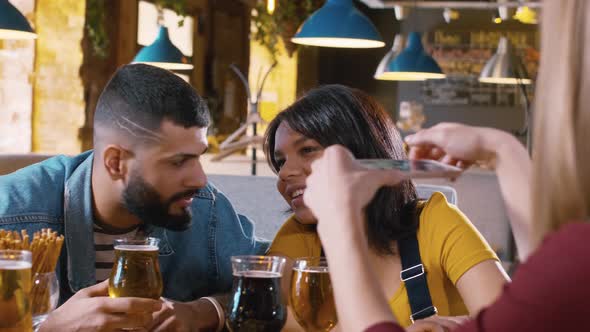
(95, 22)
(283, 23)
(95, 28)
(178, 6)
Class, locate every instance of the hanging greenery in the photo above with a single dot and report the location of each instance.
(95, 28)
(95, 22)
(283, 23)
(178, 6)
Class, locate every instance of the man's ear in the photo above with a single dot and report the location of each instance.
(116, 161)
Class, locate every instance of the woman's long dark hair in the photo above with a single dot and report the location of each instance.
(336, 114)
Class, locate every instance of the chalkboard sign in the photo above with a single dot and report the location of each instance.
(463, 54)
(467, 90)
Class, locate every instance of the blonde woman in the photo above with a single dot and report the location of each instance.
(549, 200)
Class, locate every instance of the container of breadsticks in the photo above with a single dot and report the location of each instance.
(45, 247)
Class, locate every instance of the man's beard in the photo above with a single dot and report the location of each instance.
(143, 200)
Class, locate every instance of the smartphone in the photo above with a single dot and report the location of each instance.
(415, 168)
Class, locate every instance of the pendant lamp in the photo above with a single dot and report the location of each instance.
(412, 63)
(504, 67)
(338, 24)
(13, 25)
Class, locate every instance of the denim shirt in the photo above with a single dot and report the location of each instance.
(57, 194)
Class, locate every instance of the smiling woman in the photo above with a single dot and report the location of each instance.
(336, 114)
(455, 255)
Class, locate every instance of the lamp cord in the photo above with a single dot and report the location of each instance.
(416, 17)
(160, 11)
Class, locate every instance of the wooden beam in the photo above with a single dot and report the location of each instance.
(201, 43)
(126, 47)
(380, 4)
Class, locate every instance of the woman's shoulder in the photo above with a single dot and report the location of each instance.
(437, 207)
(555, 276)
(567, 249)
(436, 199)
(438, 218)
(570, 240)
(448, 237)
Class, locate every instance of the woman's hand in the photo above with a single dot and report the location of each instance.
(337, 192)
(461, 145)
(456, 144)
(340, 187)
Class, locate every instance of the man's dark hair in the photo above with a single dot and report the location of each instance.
(336, 114)
(139, 97)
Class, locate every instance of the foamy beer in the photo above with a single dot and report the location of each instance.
(15, 289)
(312, 297)
(136, 271)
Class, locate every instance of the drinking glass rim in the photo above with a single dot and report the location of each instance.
(257, 259)
(16, 255)
(322, 262)
(309, 258)
(132, 241)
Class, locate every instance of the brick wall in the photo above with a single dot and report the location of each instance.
(58, 110)
(16, 99)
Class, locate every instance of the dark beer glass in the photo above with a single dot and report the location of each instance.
(136, 272)
(256, 303)
(312, 297)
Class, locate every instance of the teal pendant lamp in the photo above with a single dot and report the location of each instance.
(338, 24)
(412, 64)
(396, 48)
(13, 25)
(504, 67)
(162, 53)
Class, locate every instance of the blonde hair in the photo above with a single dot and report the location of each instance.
(561, 167)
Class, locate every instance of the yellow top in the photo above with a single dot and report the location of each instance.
(449, 246)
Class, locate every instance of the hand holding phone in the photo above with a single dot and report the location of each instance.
(415, 168)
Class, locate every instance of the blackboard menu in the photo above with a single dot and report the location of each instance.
(463, 54)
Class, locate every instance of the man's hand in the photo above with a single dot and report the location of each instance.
(173, 317)
(92, 310)
(199, 315)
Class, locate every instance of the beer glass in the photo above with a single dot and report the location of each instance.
(312, 297)
(257, 304)
(15, 289)
(136, 271)
(44, 296)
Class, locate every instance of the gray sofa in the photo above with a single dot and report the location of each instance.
(476, 193)
(257, 198)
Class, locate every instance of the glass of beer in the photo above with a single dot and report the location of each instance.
(256, 301)
(44, 296)
(312, 297)
(15, 291)
(136, 271)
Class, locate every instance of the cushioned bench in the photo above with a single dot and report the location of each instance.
(258, 198)
(476, 193)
